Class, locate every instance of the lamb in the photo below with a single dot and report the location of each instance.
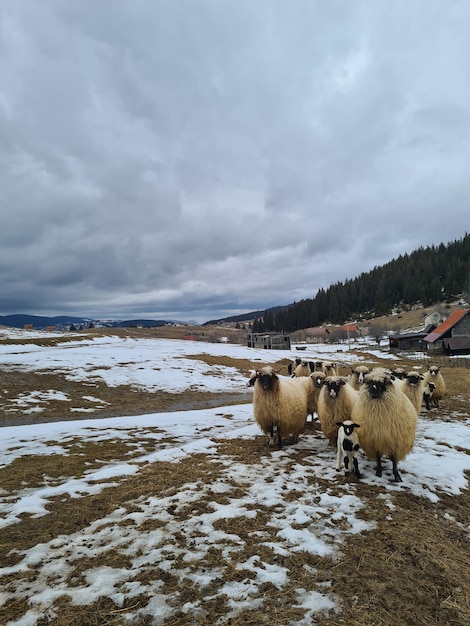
(335, 404)
(434, 375)
(387, 418)
(357, 376)
(279, 404)
(428, 390)
(348, 447)
(413, 387)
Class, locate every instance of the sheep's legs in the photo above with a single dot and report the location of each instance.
(356, 468)
(279, 437)
(396, 473)
(378, 469)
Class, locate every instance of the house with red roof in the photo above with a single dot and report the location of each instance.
(452, 336)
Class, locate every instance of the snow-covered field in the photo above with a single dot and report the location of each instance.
(318, 520)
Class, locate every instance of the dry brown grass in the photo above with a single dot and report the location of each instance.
(411, 569)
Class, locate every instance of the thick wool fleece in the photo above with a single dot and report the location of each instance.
(283, 405)
(387, 423)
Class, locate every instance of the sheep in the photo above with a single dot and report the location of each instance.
(279, 404)
(413, 387)
(312, 385)
(251, 381)
(304, 368)
(399, 373)
(357, 376)
(335, 403)
(434, 375)
(318, 366)
(291, 368)
(428, 390)
(330, 368)
(348, 447)
(387, 418)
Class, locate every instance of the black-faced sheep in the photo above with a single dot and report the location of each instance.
(399, 372)
(318, 366)
(348, 447)
(291, 367)
(434, 375)
(357, 376)
(312, 385)
(304, 368)
(428, 390)
(335, 404)
(279, 404)
(330, 368)
(387, 419)
(413, 387)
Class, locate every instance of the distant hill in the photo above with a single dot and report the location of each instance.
(246, 317)
(38, 321)
(64, 322)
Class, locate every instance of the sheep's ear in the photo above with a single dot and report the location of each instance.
(356, 425)
(339, 423)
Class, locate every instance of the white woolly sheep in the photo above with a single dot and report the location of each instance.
(399, 372)
(413, 387)
(428, 390)
(357, 376)
(279, 404)
(335, 404)
(330, 368)
(387, 418)
(434, 375)
(348, 447)
(312, 385)
(304, 368)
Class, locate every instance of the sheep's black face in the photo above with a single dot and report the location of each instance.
(318, 380)
(413, 379)
(334, 387)
(349, 429)
(376, 388)
(318, 365)
(266, 381)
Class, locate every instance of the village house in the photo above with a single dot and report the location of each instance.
(317, 334)
(452, 336)
(268, 341)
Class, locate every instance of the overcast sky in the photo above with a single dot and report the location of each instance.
(194, 159)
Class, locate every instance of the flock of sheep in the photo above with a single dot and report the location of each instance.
(375, 410)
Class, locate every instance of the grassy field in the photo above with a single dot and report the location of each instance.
(411, 568)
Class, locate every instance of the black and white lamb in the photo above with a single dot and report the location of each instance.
(348, 448)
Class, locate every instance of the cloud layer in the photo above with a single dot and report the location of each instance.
(196, 159)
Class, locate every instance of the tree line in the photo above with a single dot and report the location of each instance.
(428, 275)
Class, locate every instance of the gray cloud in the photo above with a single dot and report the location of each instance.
(197, 158)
